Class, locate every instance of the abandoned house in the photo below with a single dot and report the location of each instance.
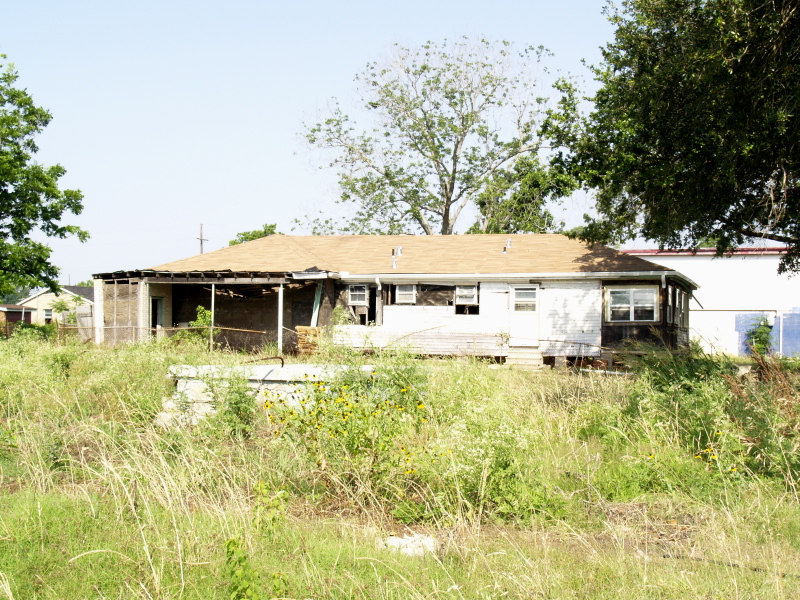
(518, 297)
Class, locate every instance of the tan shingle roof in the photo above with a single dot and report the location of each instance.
(366, 254)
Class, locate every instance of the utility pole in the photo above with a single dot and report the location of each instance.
(201, 238)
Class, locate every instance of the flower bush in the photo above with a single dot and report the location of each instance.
(352, 422)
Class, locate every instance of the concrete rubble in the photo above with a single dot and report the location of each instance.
(194, 401)
(417, 544)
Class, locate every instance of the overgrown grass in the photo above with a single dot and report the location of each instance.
(679, 481)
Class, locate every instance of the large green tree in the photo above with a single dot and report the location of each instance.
(30, 199)
(450, 122)
(695, 134)
(249, 236)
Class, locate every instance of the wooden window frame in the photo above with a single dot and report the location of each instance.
(350, 294)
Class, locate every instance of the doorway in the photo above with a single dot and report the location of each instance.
(524, 318)
(156, 313)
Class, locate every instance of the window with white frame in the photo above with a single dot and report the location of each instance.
(466, 295)
(637, 303)
(525, 299)
(357, 295)
(405, 294)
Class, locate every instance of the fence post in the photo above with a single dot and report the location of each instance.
(213, 309)
(280, 319)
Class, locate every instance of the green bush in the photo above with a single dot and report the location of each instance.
(236, 405)
(699, 401)
(759, 337)
(352, 422)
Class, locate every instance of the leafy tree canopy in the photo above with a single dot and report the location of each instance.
(62, 305)
(30, 199)
(248, 236)
(694, 133)
(15, 295)
(450, 124)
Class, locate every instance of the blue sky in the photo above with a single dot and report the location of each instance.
(170, 114)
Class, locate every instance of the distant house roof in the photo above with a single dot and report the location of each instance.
(15, 308)
(87, 293)
(407, 254)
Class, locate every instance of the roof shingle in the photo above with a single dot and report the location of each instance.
(367, 254)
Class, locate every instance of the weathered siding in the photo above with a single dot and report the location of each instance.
(423, 342)
(571, 318)
(491, 319)
(120, 312)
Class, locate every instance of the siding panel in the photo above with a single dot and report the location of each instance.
(571, 319)
(570, 323)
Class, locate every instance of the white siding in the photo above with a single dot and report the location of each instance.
(492, 317)
(570, 323)
(571, 318)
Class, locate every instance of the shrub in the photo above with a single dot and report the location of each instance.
(237, 407)
(699, 401)
(759, 337)
(351, 423)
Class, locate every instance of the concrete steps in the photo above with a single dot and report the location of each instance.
(525, 357)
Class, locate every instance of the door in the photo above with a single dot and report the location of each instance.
(156, 313)
(524, 323)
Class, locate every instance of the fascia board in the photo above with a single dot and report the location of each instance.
(302, 275)
(503, 277)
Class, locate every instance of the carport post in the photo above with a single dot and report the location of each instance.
(213, 307)
(280, 319)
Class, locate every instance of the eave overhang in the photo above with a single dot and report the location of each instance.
(182, 277)
(508, 277)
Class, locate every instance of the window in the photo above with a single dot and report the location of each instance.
(681, 308)
(670, 302)
(632, 304)
(357, 295)
(48, 316)
(466, 294)
(405, 294)
(525, 299)
(685, 317)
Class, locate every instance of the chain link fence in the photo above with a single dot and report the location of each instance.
(222, 338)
